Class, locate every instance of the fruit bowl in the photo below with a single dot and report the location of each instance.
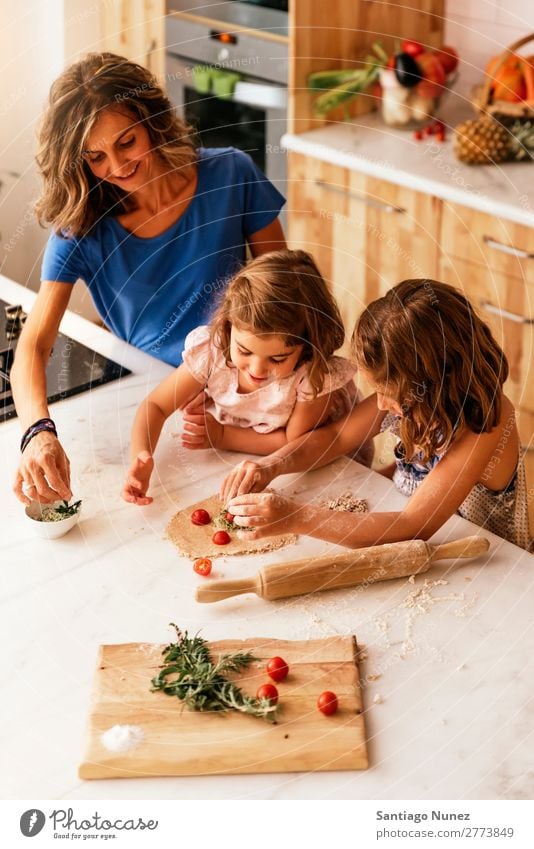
(40, 518)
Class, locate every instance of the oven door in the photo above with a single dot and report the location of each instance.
(253, 119)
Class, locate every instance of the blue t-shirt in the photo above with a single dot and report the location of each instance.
(153, 292)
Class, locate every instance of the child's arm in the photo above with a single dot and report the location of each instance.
(310, 451)
(438, 498)
(202, 431)
(171, 394)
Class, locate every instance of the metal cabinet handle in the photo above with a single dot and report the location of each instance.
(375, 204)
(511, 316)
(506, 249)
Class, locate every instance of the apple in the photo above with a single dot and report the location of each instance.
(434, 76)
(448, 58)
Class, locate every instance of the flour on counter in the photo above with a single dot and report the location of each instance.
(347, 503)
(120, 738)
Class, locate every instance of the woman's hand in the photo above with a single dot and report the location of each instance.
(249, 476)
(264, 513)
(44, 471)
(136, 484)
(201, 429)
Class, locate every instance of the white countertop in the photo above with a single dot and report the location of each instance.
(453, 665)
(368, 145)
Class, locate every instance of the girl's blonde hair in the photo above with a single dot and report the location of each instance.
(282, 293)
(73, 199)
(440, 360)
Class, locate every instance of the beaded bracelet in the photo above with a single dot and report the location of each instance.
(34, 429)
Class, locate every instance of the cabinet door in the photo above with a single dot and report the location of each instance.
(507, 305)
(486, 240)
(365, 234)
(135, 29)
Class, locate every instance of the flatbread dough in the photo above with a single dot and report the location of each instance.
(195, 540)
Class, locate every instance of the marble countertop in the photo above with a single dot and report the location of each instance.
(446, 683)
(368, 145)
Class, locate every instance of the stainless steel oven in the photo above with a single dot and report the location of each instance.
(252, 113)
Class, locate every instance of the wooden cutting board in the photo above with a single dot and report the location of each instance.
(178, 741)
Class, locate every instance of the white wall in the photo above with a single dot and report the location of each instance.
(479, 29)
(38, 38)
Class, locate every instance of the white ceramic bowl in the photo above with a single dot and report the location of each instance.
(49, 530)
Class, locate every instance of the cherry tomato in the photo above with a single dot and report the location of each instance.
(229, 517)
(439, 136)
(221, 538)
(202, 566)
(429, 130)
(327, 703)
(269, 692)
(414, 48)
(277, 668)
(418, 135)
(200, 517)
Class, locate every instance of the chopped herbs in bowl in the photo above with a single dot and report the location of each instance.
(53, 520)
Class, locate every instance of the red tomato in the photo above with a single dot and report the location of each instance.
(229, 517)
(414, 48)
(391, 62)
(221, 538)
(202, 566)
(327, 703)
(418, 135)
(277, 668)
(200, 517)
(269, 692)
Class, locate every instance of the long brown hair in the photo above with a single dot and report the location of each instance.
(73, 199)
(282, 293)
(425, 340)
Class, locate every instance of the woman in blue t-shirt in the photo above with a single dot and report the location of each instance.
(152, 224)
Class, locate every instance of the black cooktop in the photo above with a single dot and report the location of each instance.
(72, 368)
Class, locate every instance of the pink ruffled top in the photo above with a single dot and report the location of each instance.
(270, 406)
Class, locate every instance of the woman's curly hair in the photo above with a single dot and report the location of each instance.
(73, 200)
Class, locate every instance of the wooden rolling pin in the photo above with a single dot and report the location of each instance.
(347, 569)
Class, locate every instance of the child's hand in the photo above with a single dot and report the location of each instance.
(136, 485)
(201, 429)
(266, 513)
(248, 476)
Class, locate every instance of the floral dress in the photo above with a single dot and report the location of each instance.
(503, 512)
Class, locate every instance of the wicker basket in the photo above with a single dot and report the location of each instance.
(481, 94)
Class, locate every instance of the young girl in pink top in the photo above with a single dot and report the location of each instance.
(265, 365)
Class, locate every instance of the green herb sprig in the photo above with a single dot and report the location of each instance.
(62, 511)
(67, 509)
(341, 85)
(222, 522)
(201, 684)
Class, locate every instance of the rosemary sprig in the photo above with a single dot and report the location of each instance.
(201, 684)
(67, 509)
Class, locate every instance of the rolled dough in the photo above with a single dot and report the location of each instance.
(195, 540)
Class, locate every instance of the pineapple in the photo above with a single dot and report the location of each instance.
(486, 140)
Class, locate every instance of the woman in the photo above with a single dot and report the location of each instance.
(152, 224)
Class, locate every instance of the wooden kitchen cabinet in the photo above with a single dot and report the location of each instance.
(135, 29)
(493, 243)
(366, 234)
(507, 304)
